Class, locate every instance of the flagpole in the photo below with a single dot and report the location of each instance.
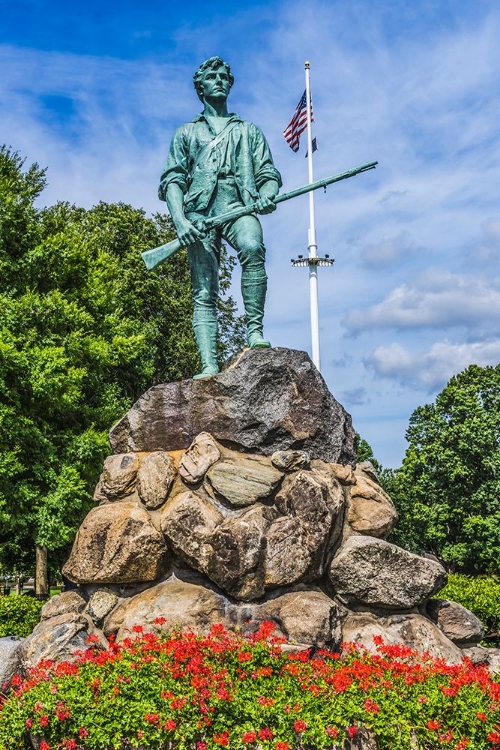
(312, 246)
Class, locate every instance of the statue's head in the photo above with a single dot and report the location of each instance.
(211, 64)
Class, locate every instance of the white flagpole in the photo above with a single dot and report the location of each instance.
(312, 246)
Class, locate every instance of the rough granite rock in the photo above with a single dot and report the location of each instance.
(238, 544)
(481, 655)
(266, 401)
(199, 457)
(118, 477)
(10, 659)
(60, 604)
(186, 605)
(116, 543)
(413, 630)
(188, 522)
(154, 478)
(100, 605)
(306, 618)
(369, 571)
(242, 481)
(58, 638)
(458, 624)
(371, 510)
(291, 460)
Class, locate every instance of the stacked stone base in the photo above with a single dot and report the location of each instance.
(234, 500)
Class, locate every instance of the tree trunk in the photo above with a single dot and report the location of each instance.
(41, 577)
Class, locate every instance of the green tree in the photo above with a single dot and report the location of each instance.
(448, 489)
(84, 330)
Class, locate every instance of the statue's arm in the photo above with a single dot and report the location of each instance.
(186, 231)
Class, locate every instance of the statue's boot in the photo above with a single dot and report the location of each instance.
(253, 291)
(205, 333)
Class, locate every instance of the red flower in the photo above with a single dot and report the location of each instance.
(282, 746)
(83, 732)
(332, 731)
(16, 680)
(265, 734)
(494, 738)
(69, 744)
(137, 629)
(371, 706)
(352, 731)
(170, 724)
(28, 723)
(152, 718)
(201, 746)
(159, 621)
(221, 739)
(44, 745)
(249, 737)
(482, 717)
(300, 726)
(432, 725)
(44, 720)
(244, 656)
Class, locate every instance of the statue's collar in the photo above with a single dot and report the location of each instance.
(233, 117)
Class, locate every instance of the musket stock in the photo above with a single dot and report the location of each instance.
(157, 255)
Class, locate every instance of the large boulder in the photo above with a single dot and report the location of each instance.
(116, 543)
(268, 400)
(242, 481)
(10, 659)
(369, 571)
(458, 624)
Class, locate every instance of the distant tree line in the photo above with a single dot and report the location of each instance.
(84, 330)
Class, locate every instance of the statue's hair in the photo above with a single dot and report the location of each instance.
(210, 64)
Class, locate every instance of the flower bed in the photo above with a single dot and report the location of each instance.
(183, 690)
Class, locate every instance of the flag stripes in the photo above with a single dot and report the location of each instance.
(297, 124)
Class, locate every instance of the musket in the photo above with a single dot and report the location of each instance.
(157, 255)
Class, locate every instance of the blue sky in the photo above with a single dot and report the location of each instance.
(94, 92)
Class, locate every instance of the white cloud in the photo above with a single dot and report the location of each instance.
(433, 368)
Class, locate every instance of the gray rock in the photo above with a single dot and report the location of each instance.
(481, 655)
(268, 400)
(116, 543)
(60, 604)
(306, 618)
(10, 659)
(57, 639)
(368, 571)
(182, 604)
(242, 481)
(199, 457)
(188, 522)
(100, 605)
(297, 543)
(458, 624)
(154, 478)
(118, 477)
(238, 544)
(412, 630)
(291, 460)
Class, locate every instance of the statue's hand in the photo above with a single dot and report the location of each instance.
(265, 204)
(187, 233)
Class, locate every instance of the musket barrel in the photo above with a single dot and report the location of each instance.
(157, 255)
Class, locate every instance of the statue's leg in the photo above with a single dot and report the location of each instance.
(245, 235)
(204, 257)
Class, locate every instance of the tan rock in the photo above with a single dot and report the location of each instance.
(374, 517)
(199, 457)
(412, 630)
(154, 478)
(61, 604)
(343, 473)
(369, 571)
(118, 477)
(290, 460)
(184, 605)
(57, 639)
(243, 481)
(188, 522)
(116, 543)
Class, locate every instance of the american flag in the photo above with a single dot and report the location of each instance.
(297, 124)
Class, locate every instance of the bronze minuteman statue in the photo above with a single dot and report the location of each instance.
(216, 163)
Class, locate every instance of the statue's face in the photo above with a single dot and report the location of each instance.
(215, 84)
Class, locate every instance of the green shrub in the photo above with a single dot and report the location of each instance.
(479, 594)
(183, 691)
(18, 615)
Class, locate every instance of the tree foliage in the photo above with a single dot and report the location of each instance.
(448, 489)
(84, 330)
